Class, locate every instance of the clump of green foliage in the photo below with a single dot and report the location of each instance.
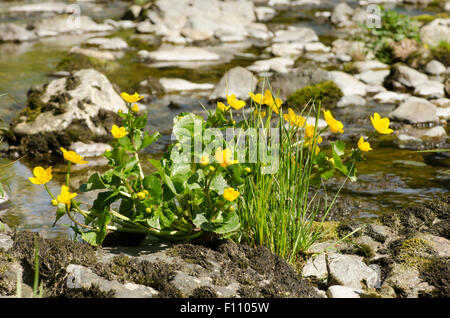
(327, 93)
(394, 27)
(442, 53)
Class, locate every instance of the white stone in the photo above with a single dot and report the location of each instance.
(101, 55)
(389, 97)
(351, 100)
(435, 132)
(264, 13)
(178, 84)
(179, 54)
(348, 84)
(373, 77)
(266, 65)
(410, 77)
(443, 112)
(435, 32)
(435, 68)
(316, 268)
(287, 49)
(238, 81)
(108, 43)
(316, 47)
(430, 89)
(337, 291)
(415, 110)
(363, 66)
(295, 34)
(350, 271)
(89, 150)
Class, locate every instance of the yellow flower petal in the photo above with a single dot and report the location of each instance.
(230, 194)
(363, 145)
(335, 125)
(72, 156)
(118, 132)
(381, 124)
(65, 196)
(131, 98)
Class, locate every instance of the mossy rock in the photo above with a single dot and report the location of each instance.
(76, 62)
(327, 93)
(414, 252)
(442, 53)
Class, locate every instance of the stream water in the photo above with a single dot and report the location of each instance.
(389, 179)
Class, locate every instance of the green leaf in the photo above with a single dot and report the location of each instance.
(218, 183)
(148, 140)
(160, 218)
(94, 183)
(339, 148)
(103, 221)
(139, 122)
(59, 212)
(229, 222)
(125, 143)
(90, 237)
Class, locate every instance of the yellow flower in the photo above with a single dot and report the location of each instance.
(204, 160)
(331, 160)
(131, 98)
(293, 118)
(363, 145)
(41, 176)
(141, 195)
(135, 108)
(65, 196)
(381, 124)
(72, 156)
(258, 113)
(248, 169)
(54, 202)
(309, 133)
(211, 168)
(258, 98)
(335, 125)
(225, 157)
(230, 194)
(235, 103)
(275, 104)
(118, 132)
(222, 106)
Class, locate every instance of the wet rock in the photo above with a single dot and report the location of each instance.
(80, 277)
(185, 54)
(389, 97)
(4, 200)
(372, 77)
(316, 47)
(369, 65)
(341, 15)
(435, 68)
(238, 81)
(287, 49)
(415, 110)
(435, 132)
(430, 89)
(180, 85)
(132, 13)
(440, 244)
(296, 35)
(350, 48)
(406, 281)
(11, 32)
(348, 84)
(351, 100)
(337, 291)
(378, 232)
(60, 24)
(350, 271)
(435, 32)
(90, 150)
(81, 107)
(108, 43)
(96, 54)
(266, 65)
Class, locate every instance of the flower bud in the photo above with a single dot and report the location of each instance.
(54, 202)
(211, 168)
(248, 169)
(141, 195)
(148, 210)
(146, 192)
(135, 108)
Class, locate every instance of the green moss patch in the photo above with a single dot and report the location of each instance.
(327, 93)
(442, 53)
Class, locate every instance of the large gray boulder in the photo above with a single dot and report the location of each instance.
(80, 107)
(238, 81)
(415, 110)
(435, 32)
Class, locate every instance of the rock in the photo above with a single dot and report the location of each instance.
(4, 227)
(369, 65)
(100, 55)
(337, 291)
(264, 13)
(435, 68)
(408, 142)
(443, 112)
(316, 268)
(55, 7)
(415, 110)
(350, 271)
(351, 100)
(435, 32)
(316, 47)
(108, 43)
(441, 102)
(440, 244)
(60, 24)
(178, 84)
(89, 150)
(287, 49)
(266, 65)
(179, 54)
(350, 48)
(435, 132)
(288, 83)
(430, 89)
(406, 281)
(341, 15)
(5, 242)
(4, 200)
(238, 81)
(82, 277)
(447, 87)
(11, 32)
(132, 13)
(379, 233)
(81, 107)
(406, 76)
(372, 77)
(348, 84)
(296, 35)
(389, 97)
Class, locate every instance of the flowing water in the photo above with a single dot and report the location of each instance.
(389, 179)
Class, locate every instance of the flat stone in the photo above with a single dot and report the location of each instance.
(12, 32)
(440, 244)
(430, 89)
(351, 100)
(435, 32)
(443, 112)
(408, 76)
(337, 291)
(296, 34)
(407, 281)
(316, 47)
(179, 54)
(264, 13)
(82, 277)
(373, 77)
(348, 84)
(435, 68)
(56, 7)
(101, 55)
(108, 43)
(389, 97)
(441, 102)
(94, 149)
(415, 110)
(266, 65)
(287, 49)
(350, 271)
(5, 242)
(369, 65)
(178, 84)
